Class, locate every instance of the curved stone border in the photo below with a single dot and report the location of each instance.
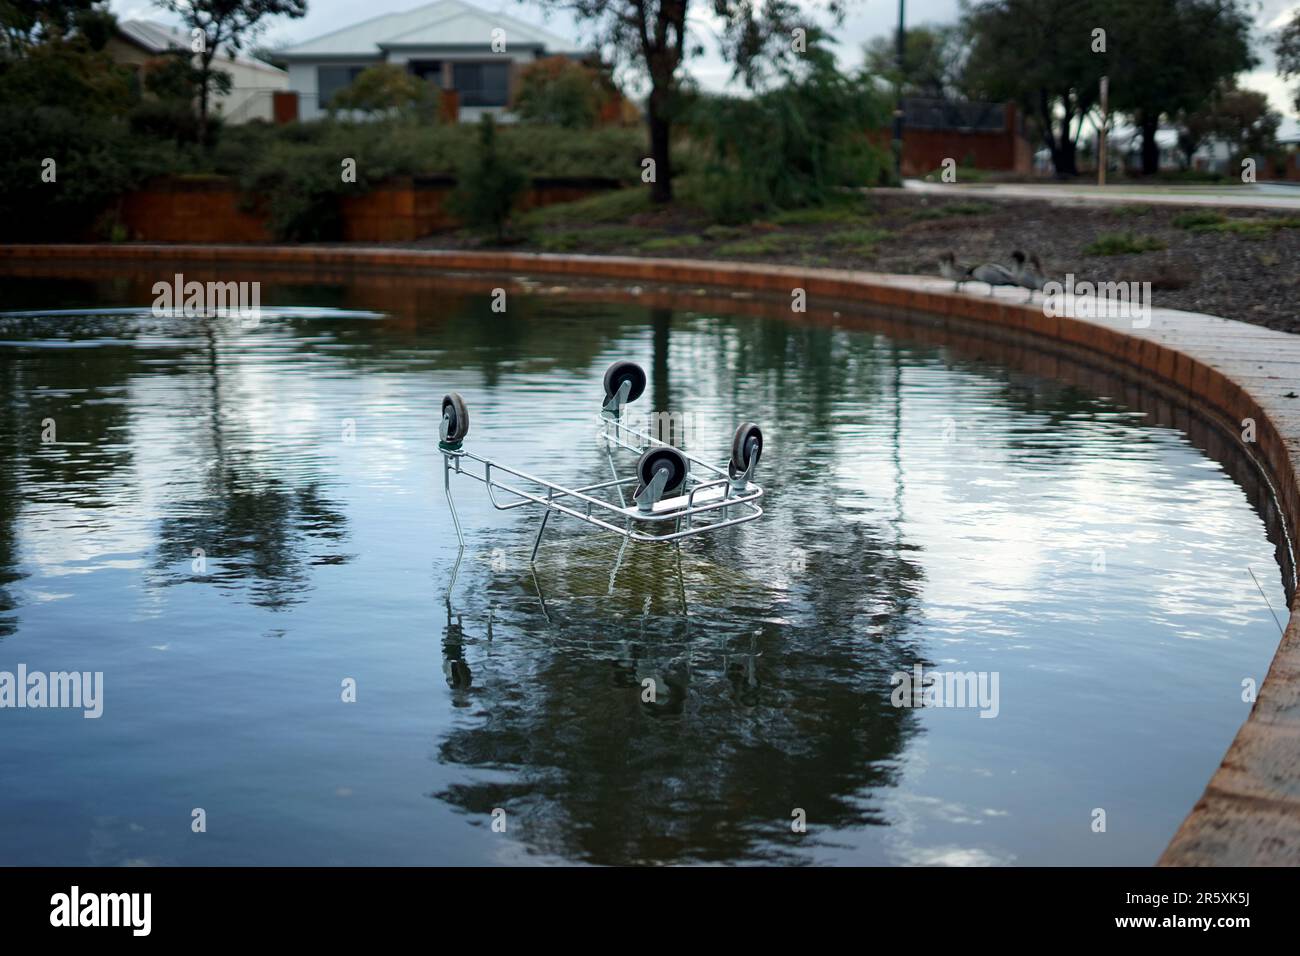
(1250, 811)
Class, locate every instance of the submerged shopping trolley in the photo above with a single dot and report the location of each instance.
(674, 494)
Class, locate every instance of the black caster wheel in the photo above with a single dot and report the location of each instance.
(621, 372)
(455, 418)
(746, 448)
(656, 458)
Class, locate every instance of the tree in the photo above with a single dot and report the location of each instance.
(794, 145)
(932, 60)
(1238, 117)
(559, 92)
(224, 25)
(486, 188)
(1287, 48)
(52, 55)
(1038, 53)
(1167, 56)
(25, 23)
(652, 36)
(389, 89)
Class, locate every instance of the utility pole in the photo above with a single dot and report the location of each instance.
(1101, 134)
(898, 95)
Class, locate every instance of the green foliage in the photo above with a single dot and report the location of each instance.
(557, 91)
(837, 209)
(172, 84)
(1198, 219)
(96, 160)
(608, 207)
(792, 146)
(225, 25)
(297, 167)
(932, 58)
(390, 90)
(1122, 243)
(1287, 49)
(1217, 222)
(488, 185)
(67, 74)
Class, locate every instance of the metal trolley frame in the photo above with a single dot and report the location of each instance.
(669, 487)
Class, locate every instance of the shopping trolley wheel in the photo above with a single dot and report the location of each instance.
(655, 458)
(621, 372)
(746, 447)
(456, 416)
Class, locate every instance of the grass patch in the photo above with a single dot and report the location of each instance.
(725, 233)
(617, 206)
(963, 174)
(664, 243)
(771, 244)
(1200, 220)
(1133, 210)
(830, 213)
(598, 239)
(948, 210)
(862, 241)
(1251, 228)
(1122, 243)
(560, 241)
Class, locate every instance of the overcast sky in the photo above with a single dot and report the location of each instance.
(866, 19)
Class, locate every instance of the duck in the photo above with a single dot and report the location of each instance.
(950, 268)
(1028, 272)
(992, 274)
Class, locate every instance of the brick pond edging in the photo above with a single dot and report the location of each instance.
(1250, 810)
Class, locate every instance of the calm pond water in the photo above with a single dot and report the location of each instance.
(923, 507)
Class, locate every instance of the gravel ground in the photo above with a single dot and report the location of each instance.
(1245, 265)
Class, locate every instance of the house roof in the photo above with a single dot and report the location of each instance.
(442, 23)
(159, 38)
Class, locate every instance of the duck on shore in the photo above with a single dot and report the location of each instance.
(950, 268)
(1028, 273)
(993, 275)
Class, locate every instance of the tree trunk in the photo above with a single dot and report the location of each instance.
(1061, 147)
(661, 190)
(1150, 148)
(205, 86)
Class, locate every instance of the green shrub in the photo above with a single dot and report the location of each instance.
(790, 147)
(96, 159)
(388, 89)
(559, 92)
(487, 187)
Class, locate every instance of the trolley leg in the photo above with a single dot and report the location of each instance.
(537, 543)
(455, 572)
(618, 562)
(613, 470)
(451, 504)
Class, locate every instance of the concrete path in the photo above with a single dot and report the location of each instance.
(1281, 197)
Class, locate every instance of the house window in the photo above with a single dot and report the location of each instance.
(331, 79)
(482, 84)
(428, 70)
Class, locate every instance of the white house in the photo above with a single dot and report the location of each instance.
(449, 43)
(253, 82)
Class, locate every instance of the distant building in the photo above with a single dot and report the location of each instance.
(980, 135)
(253, 82)
(451, 44)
